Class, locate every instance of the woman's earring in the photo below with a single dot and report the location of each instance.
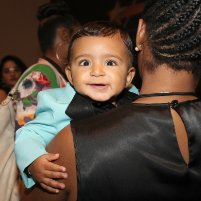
(57, 52)
(60, 55)
(137, 49)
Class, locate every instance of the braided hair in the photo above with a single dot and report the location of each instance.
(174, 33)
(52, 16)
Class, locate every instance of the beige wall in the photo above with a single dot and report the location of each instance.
(18, 29)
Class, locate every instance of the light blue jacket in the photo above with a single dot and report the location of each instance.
(34, 136)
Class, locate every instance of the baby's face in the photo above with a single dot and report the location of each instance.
(100, 67)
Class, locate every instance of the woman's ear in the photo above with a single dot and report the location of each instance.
(65, 35)
(130, 76)
(62, 35)
(140, 36)
(69, 74)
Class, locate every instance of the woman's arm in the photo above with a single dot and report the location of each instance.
(64, 145)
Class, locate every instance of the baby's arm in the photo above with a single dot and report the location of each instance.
(32, 138)
(62, 143)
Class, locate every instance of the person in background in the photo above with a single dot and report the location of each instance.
(11, 68)
(100, 75)
(150, 149)
(55, 29)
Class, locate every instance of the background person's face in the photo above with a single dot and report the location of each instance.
(10, 73)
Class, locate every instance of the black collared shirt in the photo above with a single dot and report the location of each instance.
(82, 107)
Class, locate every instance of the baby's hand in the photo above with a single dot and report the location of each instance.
(44, 171)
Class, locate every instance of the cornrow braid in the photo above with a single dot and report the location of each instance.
(185, 33)
(170, 12)
(183, 46)
(174, 33)
(178, 20)
(163, 17)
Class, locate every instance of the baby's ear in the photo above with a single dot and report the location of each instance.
(68, 74)
(130, 76)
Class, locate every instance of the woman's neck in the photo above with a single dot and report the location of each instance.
(55, 63)
(165, 80)
(52, 55)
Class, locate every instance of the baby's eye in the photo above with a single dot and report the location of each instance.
(84, 63)
(111, 63)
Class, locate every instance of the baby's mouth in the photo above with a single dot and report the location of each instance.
(98, 85)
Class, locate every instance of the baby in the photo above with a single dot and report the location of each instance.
(100, 71)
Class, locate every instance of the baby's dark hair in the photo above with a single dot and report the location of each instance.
(53, 16)
(174, 33)
(104, 29)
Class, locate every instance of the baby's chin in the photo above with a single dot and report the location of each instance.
(101, 98)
